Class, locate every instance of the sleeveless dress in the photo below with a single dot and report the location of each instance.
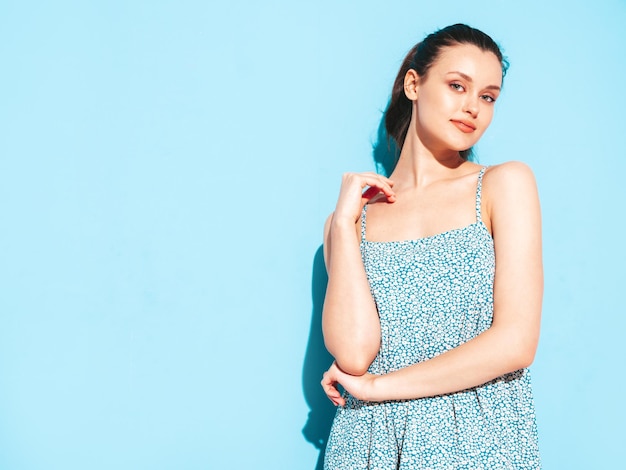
(433, 294)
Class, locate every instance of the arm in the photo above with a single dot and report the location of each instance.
(349, 319)
(510, 343)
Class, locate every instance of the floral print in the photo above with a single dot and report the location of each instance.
(434, 294)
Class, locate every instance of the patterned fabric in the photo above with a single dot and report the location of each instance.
(432, 295)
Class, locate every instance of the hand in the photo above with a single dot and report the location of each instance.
(351, 195)
(359, 387)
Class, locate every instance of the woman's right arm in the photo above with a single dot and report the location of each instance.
(350, 320)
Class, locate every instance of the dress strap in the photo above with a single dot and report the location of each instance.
(479, 188)
(363, 212)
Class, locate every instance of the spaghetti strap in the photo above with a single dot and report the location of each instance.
(479, 188)
(363, 212)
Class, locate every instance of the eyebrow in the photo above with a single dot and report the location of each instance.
(469, 79)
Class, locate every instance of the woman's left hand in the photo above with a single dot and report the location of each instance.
(359, 387)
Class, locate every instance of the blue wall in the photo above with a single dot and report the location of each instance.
(165, 171)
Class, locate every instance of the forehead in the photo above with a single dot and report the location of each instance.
(483, 66)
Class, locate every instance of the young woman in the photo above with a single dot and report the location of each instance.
(433, 304)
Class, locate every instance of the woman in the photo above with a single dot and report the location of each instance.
(433, 304)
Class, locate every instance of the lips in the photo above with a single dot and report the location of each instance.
(464, 126)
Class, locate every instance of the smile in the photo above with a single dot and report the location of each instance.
(464, 126)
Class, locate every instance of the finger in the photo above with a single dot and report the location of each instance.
(328, 385)
(327, 379)
(374, 190)
(370, 192)
(368, 179)
(381, 184)
(329, 388)
(375, 180)
(377, 184)
(337, 399)
(332, 393)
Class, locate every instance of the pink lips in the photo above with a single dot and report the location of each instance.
(464, 126)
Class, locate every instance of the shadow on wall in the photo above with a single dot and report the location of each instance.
(384, 151)
(317, 359)
(316, 362)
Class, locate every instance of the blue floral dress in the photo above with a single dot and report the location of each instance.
(432, 295)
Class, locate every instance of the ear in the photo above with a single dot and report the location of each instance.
(411, 84)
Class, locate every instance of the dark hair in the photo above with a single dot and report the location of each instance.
(420, 58)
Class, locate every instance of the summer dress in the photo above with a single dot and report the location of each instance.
(433, 294)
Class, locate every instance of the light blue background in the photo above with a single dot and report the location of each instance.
(165, 171)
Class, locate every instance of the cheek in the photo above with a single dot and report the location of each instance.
(487, 117)
(439, 103)
(431, 108)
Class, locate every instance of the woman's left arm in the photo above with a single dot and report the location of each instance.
(511, 204)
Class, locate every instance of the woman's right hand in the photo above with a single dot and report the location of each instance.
(353, 194)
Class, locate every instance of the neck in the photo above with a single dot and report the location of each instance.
(419, 165)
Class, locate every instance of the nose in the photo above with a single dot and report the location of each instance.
(470, 106)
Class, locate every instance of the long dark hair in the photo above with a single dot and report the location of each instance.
(420, 58)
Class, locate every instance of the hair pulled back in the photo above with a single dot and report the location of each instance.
(420, 58)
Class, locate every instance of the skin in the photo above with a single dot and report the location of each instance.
(432, 190)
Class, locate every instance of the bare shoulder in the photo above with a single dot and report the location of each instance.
(509, 176)
(510, 196)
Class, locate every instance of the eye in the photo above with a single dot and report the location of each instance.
(457, 86)
(488, 98)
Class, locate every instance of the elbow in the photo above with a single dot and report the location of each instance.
(353, 357)
(353, 366)
(516, 349)
(354, 361)
(521, 357)
(519, 361)
(526, 357)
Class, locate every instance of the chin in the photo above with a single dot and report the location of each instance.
(460, 148)
(465, 144)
